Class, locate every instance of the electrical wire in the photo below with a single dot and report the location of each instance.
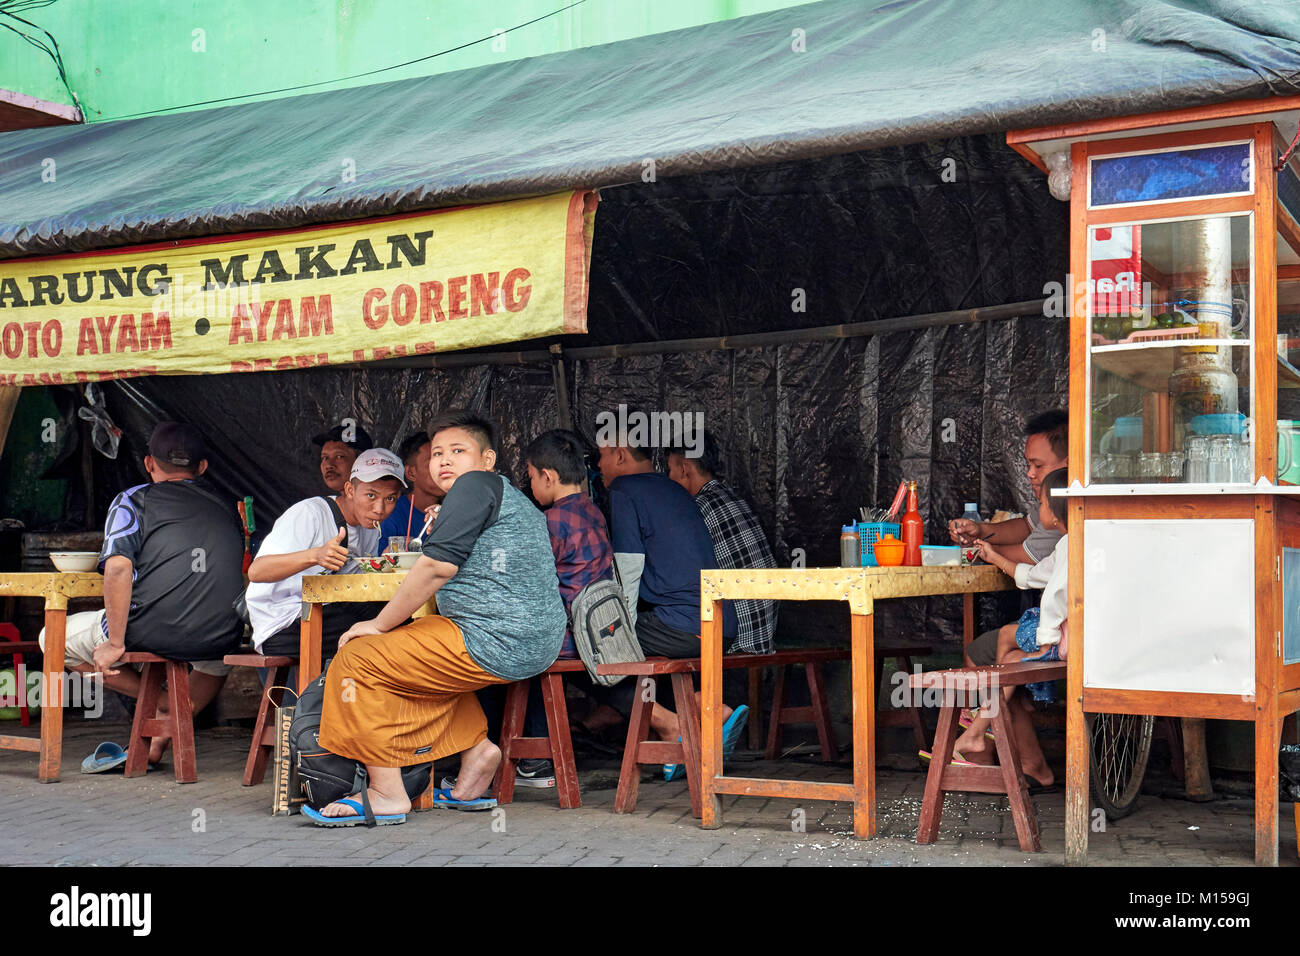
(340, 79)
(1282, 160)
(10, 9)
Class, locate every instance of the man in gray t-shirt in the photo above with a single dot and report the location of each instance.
(401, 695)
(1022, 540)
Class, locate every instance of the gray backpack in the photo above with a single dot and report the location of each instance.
(602, 629)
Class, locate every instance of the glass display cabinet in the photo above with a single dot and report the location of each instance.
(1184, 522)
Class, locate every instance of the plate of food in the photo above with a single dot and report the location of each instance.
(380, 565)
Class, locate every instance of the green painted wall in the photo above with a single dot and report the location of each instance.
(126, 57)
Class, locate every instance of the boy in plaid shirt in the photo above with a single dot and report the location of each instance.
(579, 536)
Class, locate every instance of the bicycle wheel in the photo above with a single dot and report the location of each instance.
(1119, 746)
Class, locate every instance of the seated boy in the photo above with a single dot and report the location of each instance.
(408, 517)
(580, 542)
(661, 544)
(579, 537)
(307, 540)
(410, 689)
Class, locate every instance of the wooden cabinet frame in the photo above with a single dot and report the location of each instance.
(1275, 511)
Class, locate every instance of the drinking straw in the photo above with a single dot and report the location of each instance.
(898, 500)
(409, 515)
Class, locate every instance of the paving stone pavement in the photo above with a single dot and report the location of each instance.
(107, 820)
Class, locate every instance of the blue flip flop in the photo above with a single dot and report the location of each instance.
(107, 756)
(359, 819)
(731, 731)
(444, 799)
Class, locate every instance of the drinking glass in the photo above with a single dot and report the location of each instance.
(1219, 462)
(397, 543)
(1242, 463)
(1171, 466)
(1149, 467)
(1198, 453)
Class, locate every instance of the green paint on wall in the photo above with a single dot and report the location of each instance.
(128, 58)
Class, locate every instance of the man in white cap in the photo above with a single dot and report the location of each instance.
(321, 535)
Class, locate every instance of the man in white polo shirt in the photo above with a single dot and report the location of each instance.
(321, 536)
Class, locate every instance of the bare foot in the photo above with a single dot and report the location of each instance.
(1041, 774)
(478, 766)
(380, 803)
(969, 743)
(157, 747)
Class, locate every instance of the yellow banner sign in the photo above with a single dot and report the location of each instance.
(354, 292)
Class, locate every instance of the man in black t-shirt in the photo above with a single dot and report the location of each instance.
(171, 562)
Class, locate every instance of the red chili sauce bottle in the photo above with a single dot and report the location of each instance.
(912, 530)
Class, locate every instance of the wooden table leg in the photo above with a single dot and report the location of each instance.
(1266, 782)
(1076, 727)
(864, 726)
(1196, 761)
(52, 702)
(711, 717)
(967, 620)
(309, 649)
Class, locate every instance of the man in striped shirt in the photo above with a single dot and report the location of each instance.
(738, 539)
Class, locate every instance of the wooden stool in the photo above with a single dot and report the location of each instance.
(639, 749)
(179, 721)
(960, 688)
(556, 746)
(908, 715)
(272, 696)
(818, 712)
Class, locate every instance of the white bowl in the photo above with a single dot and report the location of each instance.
(406, 559)
(72, 561)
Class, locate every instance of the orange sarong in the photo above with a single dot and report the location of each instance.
(405, 697)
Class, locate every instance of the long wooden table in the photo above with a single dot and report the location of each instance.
(57, 589)
(860, 587)
(318, 589)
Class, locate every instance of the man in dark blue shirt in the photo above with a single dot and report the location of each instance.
(661, 544)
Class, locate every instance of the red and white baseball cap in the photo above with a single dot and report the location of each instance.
(375, 463)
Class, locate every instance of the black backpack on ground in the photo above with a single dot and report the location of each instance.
(326, 777)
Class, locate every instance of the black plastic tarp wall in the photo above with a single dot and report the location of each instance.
(811, 431)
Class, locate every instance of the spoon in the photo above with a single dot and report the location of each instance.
(418, 540)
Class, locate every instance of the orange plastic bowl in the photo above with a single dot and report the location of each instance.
(888, 551)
